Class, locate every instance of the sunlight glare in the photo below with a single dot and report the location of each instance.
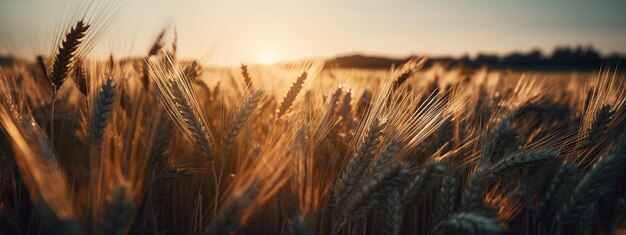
(269, 57)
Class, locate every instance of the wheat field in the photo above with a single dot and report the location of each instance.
(158, 145)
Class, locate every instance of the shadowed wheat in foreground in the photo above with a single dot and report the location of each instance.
(162, 146)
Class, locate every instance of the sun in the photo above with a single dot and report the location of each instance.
(268, 57)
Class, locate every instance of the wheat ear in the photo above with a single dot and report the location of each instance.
(371, 194)
(65, 55)
(102, 110)
(472, 198)
(192, 71)
(177, 97)
(595, 184)
(430, 172)
(162, 138)
(117, 213)
(197, 128)
(359, 162)
(157, 45)
(291, 95)
(389, 219)
(228, 218)
(387, 154)
(601, 123)
(346, 115)
(518, 160)
(80, 78)
(246, 75)
(472, 223)
(240, 117)
(497, 142)
(411, 67)
(560, 179)
(447, 197)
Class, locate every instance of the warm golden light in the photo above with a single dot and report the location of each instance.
(350, 117)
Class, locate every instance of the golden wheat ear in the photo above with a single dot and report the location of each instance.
(174, 92)
(246, 75)
(408, 69)
(239, 118)
(156, 47)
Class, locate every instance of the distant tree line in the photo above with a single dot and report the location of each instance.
(562, 58)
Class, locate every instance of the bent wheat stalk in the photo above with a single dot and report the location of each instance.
(62, 62)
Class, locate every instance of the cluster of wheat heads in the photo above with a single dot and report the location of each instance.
(161, 146)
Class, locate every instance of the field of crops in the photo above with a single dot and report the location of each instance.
(158, 145)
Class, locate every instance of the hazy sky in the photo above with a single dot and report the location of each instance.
(236, 31)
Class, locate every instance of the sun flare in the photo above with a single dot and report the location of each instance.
(269, 57)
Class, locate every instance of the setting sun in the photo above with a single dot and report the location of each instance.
(269, 57)
(308, 117)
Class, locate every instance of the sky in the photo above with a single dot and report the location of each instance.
(257, 31)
